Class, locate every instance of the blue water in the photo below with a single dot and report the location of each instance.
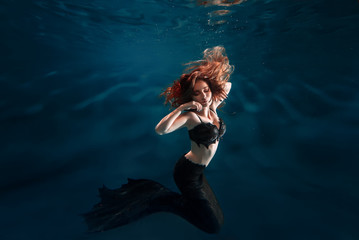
(79, 86)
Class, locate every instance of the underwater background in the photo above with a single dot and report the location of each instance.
(79, 86)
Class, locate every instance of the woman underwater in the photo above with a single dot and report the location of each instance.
(195, 96)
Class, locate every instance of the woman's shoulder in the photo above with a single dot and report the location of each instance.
(192, 118)
(214, 106)
(190, 114)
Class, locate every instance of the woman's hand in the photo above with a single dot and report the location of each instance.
(193, 105)
(221, 96)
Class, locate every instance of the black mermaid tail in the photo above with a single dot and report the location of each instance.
(138, 198)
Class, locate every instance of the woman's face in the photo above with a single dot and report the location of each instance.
(202, 93)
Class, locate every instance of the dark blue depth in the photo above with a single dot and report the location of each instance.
(79, 86)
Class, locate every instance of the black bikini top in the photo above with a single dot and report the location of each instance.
(207, 133)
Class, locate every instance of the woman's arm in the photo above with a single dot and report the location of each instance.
(175, 119)
(217, 101)
(227, 87)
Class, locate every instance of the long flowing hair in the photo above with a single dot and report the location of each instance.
(213, 68)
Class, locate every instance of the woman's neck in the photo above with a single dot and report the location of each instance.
(205, 112)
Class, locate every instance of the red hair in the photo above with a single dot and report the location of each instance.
(214, 69)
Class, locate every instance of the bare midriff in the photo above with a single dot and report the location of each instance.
(202, 155)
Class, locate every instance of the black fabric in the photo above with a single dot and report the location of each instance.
(207, 133)
(138, 198)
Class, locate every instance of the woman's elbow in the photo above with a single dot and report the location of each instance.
(159, 131)
(228, 87)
